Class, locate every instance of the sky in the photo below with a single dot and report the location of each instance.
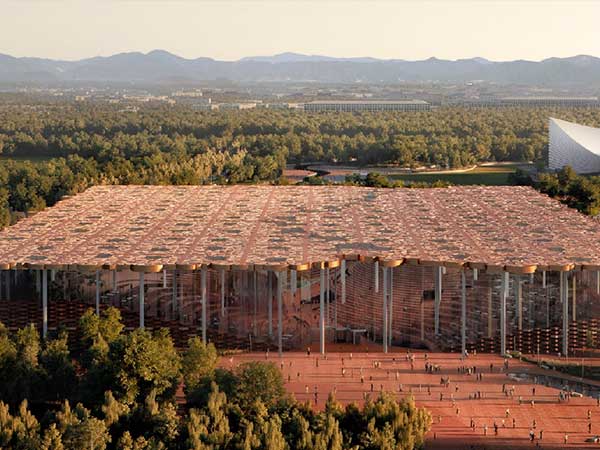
(230, 29)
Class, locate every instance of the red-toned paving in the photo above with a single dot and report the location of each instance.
(450, 430)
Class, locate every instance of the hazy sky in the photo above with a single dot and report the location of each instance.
(230, 29)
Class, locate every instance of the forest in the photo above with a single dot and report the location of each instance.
(73, 146)
(118, 390)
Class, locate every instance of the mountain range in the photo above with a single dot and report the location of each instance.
(160, 66)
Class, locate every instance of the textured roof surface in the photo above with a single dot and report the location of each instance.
(294, 225)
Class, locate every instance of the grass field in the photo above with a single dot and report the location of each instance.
(492, 175)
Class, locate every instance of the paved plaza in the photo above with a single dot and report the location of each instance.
(476, 395)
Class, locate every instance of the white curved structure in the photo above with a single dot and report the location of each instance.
(573, 145)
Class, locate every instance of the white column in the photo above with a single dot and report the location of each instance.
(327, 299)
(52, 275)
(343, 280)
(255, 304)
(97, 292)
(44, 303)
(280, 313)
(164, 278)
(437, 275)
(564, 298)
(270, 302)
(385, 309)
(38, 282)
(543, 278)
(463, 312)
(322, 311)
(376, 269)
(503, 296)
(174, 295)
(519, 301)
(475, 274)
(490, 313)
(222, 273)
(391, 305)
(142, 294)
(574, 297)
(204, 301)
(293, 283)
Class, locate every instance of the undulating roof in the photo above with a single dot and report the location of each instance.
(574, 145)
(148, 228)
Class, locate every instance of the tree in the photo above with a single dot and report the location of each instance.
(260, 381)
(52, 439)
(198, 362)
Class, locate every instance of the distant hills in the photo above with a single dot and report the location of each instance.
(159, 66)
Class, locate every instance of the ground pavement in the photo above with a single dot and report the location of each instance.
(453, 405)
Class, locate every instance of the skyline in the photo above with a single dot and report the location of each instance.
(230, 30)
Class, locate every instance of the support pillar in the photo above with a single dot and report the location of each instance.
(38, 282)
(280, 313)
(255, 303)
(222, 277)
(503, 296)
(293, 283)
(490, 314)
(343, 280)
(174, 296)
(204, 300)
(574, 298)
(463, 311)
(114, 281)
(437, 275)
(385, 309)
(44, 303)
(544, 279)
(376, 277)
(142, 294)
(322, 311)
(519, 301)
(164, 278)
(270, 304)
(475, 274)
(327, 298)
(391, 306)
(97, 292)
(564, 298)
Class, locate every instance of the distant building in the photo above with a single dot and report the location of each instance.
(368, 105)
(569, 102)
(236, 106)
(573, 145)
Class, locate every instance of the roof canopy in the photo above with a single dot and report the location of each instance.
(148, 228)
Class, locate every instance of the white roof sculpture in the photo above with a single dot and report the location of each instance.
(573, 145)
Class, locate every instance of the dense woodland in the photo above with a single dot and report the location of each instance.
(97, 143)
(119, 392)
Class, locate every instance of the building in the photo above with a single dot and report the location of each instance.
(573, 145)
(370, 105)
(533, 101)
(288, 267)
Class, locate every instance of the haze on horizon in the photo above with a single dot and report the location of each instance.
(232, 29)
